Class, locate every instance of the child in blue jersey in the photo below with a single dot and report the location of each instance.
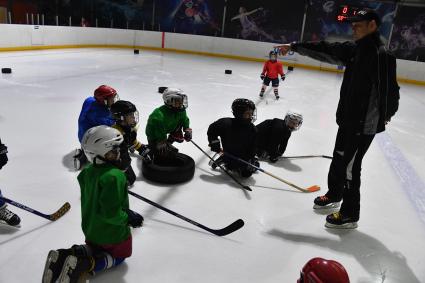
(95, 112)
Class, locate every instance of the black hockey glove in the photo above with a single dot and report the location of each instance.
(273, 158)
(144, 153)
(262, 77)
(3, 155)
(283, 78)
(188, 134)
(215, 146)
(135, 220)
(253, 161)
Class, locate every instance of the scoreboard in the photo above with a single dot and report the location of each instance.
(345, 11)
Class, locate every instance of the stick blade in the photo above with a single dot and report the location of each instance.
(60, 212)
(312, 189)
(247, 188)
(229, 229)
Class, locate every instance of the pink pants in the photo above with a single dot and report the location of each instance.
(120, 250)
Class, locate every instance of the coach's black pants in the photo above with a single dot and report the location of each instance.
(345, 168)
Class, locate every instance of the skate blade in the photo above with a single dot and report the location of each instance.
(70, 264)
(350, 225)
(52, 257)
(210, 163)
(5, 224)
(329, 206)
(77, 164)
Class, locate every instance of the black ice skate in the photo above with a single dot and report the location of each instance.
(8, 217)
(218, 162)
(277, 97)
(338, 221)
(80, 159)
(262, 155)
(324, 202)
(262, 94)
(54, 263)
(75, 269)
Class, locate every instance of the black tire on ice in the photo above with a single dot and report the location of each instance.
(181, 170)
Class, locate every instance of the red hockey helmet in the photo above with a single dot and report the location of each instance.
(105, 92)
(320, 270)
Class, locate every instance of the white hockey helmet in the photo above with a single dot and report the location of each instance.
(175, 98)
(293, 120)
(99, 140)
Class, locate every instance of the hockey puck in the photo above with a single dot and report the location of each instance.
(228, 72)
(161, 89)
(290, 68)
(6, 70)
(136, 51)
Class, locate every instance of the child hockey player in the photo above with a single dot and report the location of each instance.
(95, 112)
(6, 216)
(170, 118)
(126, 119)
(272, 68)
(238, 136)
(273, 135)
(105, 213)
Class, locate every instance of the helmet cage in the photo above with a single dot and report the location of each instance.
(241, 105)
(311, 277)
(293, 120)
(99, 140)
(175, 99)
(130, 119)
(105, 92)
(254, 116)
(273, 56)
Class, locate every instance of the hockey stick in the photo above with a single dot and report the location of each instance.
(219, 232)
(311, 189)
(222, 168)
(52, 217)
(307, 156)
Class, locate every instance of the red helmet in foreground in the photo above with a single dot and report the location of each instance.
(320, 270)
(103, 93)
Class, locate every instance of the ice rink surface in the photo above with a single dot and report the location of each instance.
(39, 107)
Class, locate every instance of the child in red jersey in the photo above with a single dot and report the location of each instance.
(272, 68)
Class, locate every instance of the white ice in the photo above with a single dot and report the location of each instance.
(39, 106)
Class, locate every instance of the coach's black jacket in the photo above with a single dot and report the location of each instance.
(369, 92)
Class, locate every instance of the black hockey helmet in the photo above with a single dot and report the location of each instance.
(122, 108)
(241, 105)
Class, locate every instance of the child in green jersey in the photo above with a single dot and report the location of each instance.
(105, 213)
